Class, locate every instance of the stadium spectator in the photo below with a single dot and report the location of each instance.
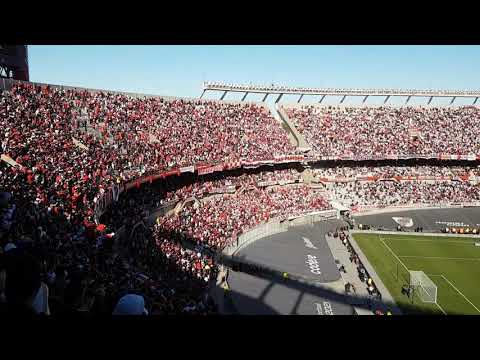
(383, 131)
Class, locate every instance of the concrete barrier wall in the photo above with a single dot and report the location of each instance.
(275, 226)
(472, 236)
(374, 211)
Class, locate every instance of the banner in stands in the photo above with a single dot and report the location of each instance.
(203, 170)
(104, 199)
(187, 169)
(10, 161)
(170, 173)
(233, 165)
(223, 190)
(79, 144)
(253, 164)
(338, 179)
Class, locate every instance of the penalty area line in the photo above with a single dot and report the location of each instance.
(438, 257)
(393, 253)
(438, 305)
(460, 293)
(401, 262)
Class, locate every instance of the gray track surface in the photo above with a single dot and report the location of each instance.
(288, 252)
(254, 295)
(429, 219)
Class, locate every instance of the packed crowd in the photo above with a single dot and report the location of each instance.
(391, 193)
(51, 265)
(162, 133)
(216, 221)
(228, 184)
(382, 131)
(72, 144)
(123, 137)
(351, 172)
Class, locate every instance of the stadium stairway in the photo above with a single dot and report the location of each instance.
(90, 130)
(299, 140)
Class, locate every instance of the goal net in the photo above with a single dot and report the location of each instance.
(423, 286)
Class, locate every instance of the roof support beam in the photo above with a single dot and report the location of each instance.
(224, 93)
(386, 99)
(340, 92)
(279, 97)
(343, 99)
(244, 96)
(430, 100)
(408, 99)
(453, 99)
(475, 101)
(203, 93)
(365, 98)
(265, 97)
(300, 98)
(323, 97)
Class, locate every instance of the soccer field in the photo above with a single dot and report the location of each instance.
(452, 263)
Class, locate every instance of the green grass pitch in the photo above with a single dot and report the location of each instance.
(452, 263)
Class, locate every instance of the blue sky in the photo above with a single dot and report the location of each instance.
(180, 70)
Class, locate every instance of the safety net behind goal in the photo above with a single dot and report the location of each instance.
(423, 286)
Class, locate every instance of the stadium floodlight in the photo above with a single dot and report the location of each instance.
(423, 286)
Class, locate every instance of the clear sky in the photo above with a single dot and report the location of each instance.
(180, 70)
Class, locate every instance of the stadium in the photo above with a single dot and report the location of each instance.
(131, 204)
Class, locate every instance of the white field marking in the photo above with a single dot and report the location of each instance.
(438, 257)
(469, 241)
(461, 293)
(444, 312)
(388, 247)
(401, 262)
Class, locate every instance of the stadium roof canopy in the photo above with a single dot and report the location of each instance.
(283, 90)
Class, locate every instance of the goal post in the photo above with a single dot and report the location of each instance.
(423, 286)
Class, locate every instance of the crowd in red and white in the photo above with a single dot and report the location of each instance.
(383, 131)
(161, 134)
(228, 184)
(392, 193)
(71, 144)
(217, 220)
(126, 137)
(350, 172)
